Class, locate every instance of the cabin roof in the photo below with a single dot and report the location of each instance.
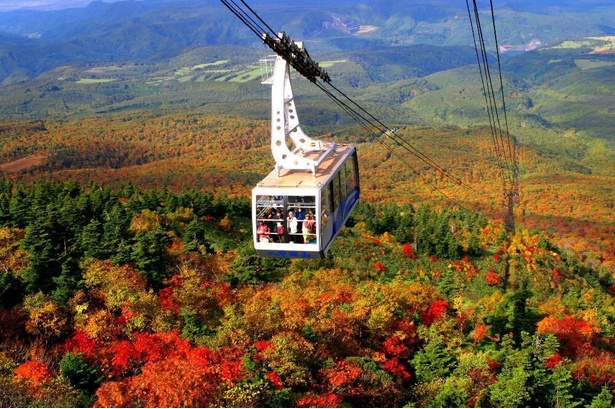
(291, 178)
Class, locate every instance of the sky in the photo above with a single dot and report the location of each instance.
(7, 5)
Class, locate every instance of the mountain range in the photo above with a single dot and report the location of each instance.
(35, 41)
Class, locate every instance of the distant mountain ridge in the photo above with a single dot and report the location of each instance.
(154, 30)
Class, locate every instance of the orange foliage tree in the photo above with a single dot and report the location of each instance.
(174, 374)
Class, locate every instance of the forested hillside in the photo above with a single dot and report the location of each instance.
(109, 296)
(228, 155)
(128, 266)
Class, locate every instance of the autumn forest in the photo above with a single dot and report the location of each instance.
(128, 276)
(127, 267)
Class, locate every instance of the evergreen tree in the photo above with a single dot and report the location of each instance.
(193, 235)
(5, 209)
(83, 376)
(452, 394)
(151, 200)
(91, 241)
(101, 200)
(561, 391)
(434, 361)
(524, 380)
(603, 400)
(117, 239)
(20, 207)
(149, 255)
(513, 315)
(171, 201)
(68, 281)
(512, 388)
(43, 257)
(200, 202)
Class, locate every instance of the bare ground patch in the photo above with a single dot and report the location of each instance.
(24, 163)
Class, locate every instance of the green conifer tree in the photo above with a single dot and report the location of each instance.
(434, 361)
(602, 400)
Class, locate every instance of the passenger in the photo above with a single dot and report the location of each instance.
(299, 215)
(270, 216)
(309, 228)
(292, 223)
(280, 231)
(324, 219)
(263, 232)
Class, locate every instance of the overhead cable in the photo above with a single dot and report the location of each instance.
(300, 60)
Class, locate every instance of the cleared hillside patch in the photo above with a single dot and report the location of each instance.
(25, 163)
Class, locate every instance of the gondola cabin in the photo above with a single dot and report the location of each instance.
(298, 215)
(302, 205)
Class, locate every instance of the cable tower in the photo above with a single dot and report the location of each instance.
(298, 57)
(505, 145)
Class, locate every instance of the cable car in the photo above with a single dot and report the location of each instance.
(301, 206)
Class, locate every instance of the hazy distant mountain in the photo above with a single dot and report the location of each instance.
(152, 30)
(7, 5)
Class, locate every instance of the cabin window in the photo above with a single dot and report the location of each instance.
(280, 219)
(351, 178)
(337, 194)
(343, 182)
(326, 209)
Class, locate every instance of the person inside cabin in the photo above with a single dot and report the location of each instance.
(279, 216)
(309, 227)
(263, 232)
(323, 220)
(279, 219)
(270, 216)
(280, 231)
(299, 215)
(292, 223)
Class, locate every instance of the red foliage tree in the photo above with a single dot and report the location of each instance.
(166, 300)
(275, 379)
(35, 372)
(555, 360)
(597, 370)
(380, 267)
(325, 400)
(344, 378)
(493, 278)
(480, 333)
(435, 311)
(575, 335)
(125, 357)
(409, 251)
(173, 373)
(396, 368)
(394, 347)
(81, 343)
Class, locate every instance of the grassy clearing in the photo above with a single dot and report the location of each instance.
(246, 76)
(24, 163)
(599, 44)
(250, 73)
(571, 44)
(589, 64)
(210, 64)
(606, 43)
(94, 80)
(327, 64)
